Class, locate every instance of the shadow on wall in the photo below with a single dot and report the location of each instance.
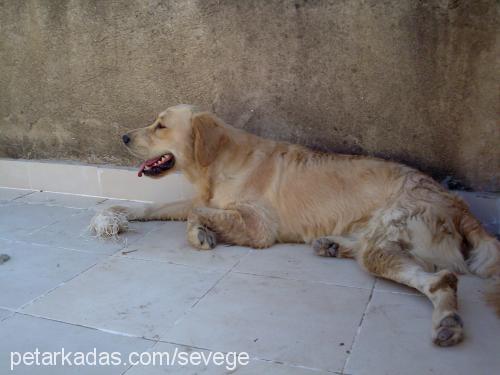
(410, 80)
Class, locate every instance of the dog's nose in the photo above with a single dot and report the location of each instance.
(126, 138)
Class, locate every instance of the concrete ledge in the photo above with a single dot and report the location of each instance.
(92, 180)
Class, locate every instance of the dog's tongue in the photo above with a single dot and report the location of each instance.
(145, 164)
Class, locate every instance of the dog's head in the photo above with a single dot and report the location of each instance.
(179, 138)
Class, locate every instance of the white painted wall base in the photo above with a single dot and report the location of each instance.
(93, 180)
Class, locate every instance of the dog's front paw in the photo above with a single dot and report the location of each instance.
(201, 237)
(109, 222)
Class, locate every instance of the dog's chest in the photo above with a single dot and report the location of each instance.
(226, 191)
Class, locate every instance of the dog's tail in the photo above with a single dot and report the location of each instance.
(483, 257)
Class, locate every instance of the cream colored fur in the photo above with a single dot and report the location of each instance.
(395, 221)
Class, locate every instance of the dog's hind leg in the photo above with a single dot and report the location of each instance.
(240, 225)
(390, 260)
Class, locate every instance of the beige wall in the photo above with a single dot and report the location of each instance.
(412, 80)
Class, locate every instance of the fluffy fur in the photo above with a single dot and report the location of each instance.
(109, 223)
(395, 221)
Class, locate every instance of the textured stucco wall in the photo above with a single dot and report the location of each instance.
(413, 80)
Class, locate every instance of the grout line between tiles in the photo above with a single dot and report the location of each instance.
(9, 315)
(193, 267)
(56, 247)
(124, 243)
(358, 331)
(153, 344)
(218, 281)
(117, 254)
(203, 296)
(51, 223)
(22, 196)
(302, 280)
(254, 358)
(186, 312)
(23, 306)
(160, 341)
(129, 367)
(287, 364)
(55, 205)
(201, 268)
(105, 257)
(104, 330)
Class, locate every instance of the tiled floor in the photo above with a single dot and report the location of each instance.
(293, 312)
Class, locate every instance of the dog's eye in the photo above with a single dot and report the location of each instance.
(160, 126)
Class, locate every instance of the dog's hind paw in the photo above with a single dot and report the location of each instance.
(201, 237)
(325, 247)
(449, 331)
(109, 222)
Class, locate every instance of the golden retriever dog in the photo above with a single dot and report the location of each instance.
(396, 222)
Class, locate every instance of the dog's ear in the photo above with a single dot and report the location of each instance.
(209, 137)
